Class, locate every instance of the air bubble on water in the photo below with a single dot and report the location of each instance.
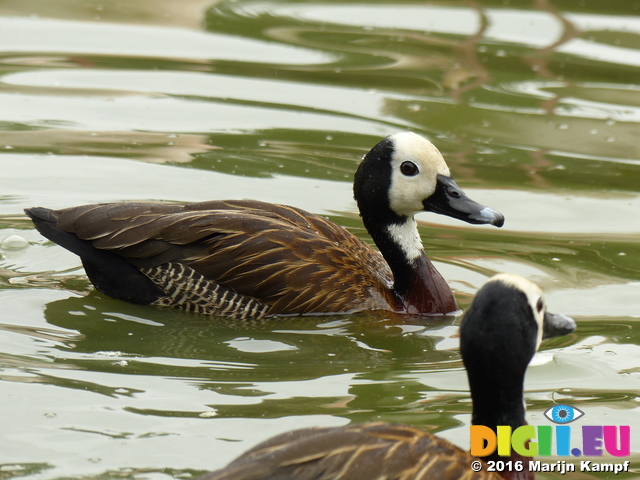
(14, 242)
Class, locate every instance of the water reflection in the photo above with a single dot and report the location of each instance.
(535, 106)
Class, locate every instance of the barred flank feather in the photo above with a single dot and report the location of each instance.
(187, 289)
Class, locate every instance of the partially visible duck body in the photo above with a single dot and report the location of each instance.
(499, 335)
(247, 259)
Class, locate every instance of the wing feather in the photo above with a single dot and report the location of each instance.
(285, 257)
(376, 451)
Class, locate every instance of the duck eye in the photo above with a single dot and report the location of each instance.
(540, 305)
(409, 169)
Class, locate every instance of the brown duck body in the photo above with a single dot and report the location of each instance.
(278, 255)
(248, 259)
(498, 338)
(372, 451)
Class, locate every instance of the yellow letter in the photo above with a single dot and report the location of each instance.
(504, 440)
(523, 435)
(483, 440)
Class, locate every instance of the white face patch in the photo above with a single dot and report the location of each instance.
(534, 296)
(407, 192)
(406, 236)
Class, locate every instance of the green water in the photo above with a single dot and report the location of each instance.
(535, 105)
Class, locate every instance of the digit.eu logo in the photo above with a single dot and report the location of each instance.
(531, 441)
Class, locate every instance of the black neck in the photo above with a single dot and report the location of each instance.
(497, 342)
(401, 266)
(498, 399)
(371, 190)
(418, 286)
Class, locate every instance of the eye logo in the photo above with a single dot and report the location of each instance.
(563, 413)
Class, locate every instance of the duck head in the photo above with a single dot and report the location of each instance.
(500, 333)
(405, 174)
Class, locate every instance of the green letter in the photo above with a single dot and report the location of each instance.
(522, 441)
(545, 434)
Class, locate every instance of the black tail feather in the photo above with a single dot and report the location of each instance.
(111, 274)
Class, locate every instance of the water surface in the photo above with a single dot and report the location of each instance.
(536, 109)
